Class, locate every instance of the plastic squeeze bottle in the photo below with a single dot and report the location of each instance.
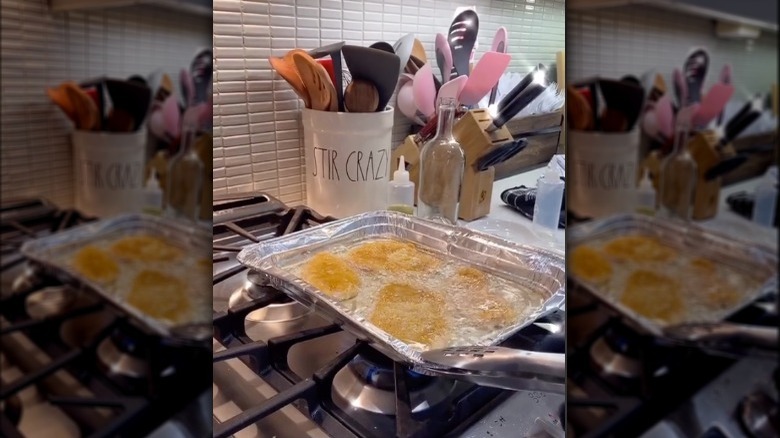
(765, 199)
(645, 195)
(549, 195)
(152, 195)
(401, 190)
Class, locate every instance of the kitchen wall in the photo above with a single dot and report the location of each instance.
(42, 49)
(613, 42)
(257, 136)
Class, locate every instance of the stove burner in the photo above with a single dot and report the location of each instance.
(29, 279)
(82, 331)
(615, 358)
(125, 357)
(368, 383)
(758, 415)
(50, 301)
(287, 310)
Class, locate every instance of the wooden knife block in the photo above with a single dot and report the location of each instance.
(477, 187)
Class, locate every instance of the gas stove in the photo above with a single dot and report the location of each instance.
(622, 384)
(72, 365)
(283, 370)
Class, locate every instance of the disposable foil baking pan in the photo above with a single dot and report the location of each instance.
(757, 261)
(47, 252)
(514, 262)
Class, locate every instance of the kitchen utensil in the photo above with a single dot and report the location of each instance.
(59, 96)
(522, 100)
(328, 65)
(189, 238)
(725, 78)
(712, 104)
(424, 91)
(334, 51)
(726, 334)
(500, 154)
(361, 97)
(730, 163)
(650, 123)
(695, 71)
(760, 262)
(443, 57)
(578, 111)
(665, 116)
(680, 88)
(201, 70)
(500, 367)
(631, 79)
(452, 89)
(509, 97)
(316, 81)
(172, 118)
(275, 260)
(461, 38)
(419, 51)
(381, 45)
(405, 103)
(376, 66)
(499, 45)
(625, 98)
(84, 108)
(485, 76)
(132, 98)
(403, 48)
(289, 72)
(187, 88)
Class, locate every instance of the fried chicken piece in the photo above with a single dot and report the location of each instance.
(146, 248)
(589, 264)
(388, 255)
(472, 277)
(160, 295)
(96, 264)
(639, 249)
(654, 296)
(722, 297)
(332, 276)
(496, 311)
(410, 314)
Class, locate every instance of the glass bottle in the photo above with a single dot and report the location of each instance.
(185, 175)
(678, 176)
(441, 170)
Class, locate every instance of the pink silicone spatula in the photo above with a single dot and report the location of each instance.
(712, 104)
(424, 90)
(443, 57)
(664, 116)
(452, 89)
(485, 75)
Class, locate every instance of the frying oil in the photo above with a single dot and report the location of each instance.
(462, 303)
(696, 288)
(192, 272)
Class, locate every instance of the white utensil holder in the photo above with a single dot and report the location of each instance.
(602, 172)
(347, 161)
(108, 171)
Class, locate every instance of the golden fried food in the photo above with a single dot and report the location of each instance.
(496, 311)
(410, 314)
(653, 295)
(702, 266)
(332, 276)
(722, 297)
(388, 255)
(145, 248)
(96, 264)
(472, 277)
(159, 295)
(639, 249)
(589, 264)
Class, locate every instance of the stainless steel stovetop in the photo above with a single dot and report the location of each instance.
(281, 370)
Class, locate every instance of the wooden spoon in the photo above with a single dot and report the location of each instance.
(361, 97)
(419, 51)
(87, 114)
(316, 81)
(287, 70)
(578, 110)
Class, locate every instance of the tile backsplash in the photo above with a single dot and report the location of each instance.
(258, 144)
(41, 49)
(613, 42)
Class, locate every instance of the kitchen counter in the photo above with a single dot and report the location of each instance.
(508, 223)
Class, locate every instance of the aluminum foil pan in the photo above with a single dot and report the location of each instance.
(760, 262)
(47, 252)
(514, 262)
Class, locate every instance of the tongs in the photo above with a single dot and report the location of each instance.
(727, 337)
(501, 367)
